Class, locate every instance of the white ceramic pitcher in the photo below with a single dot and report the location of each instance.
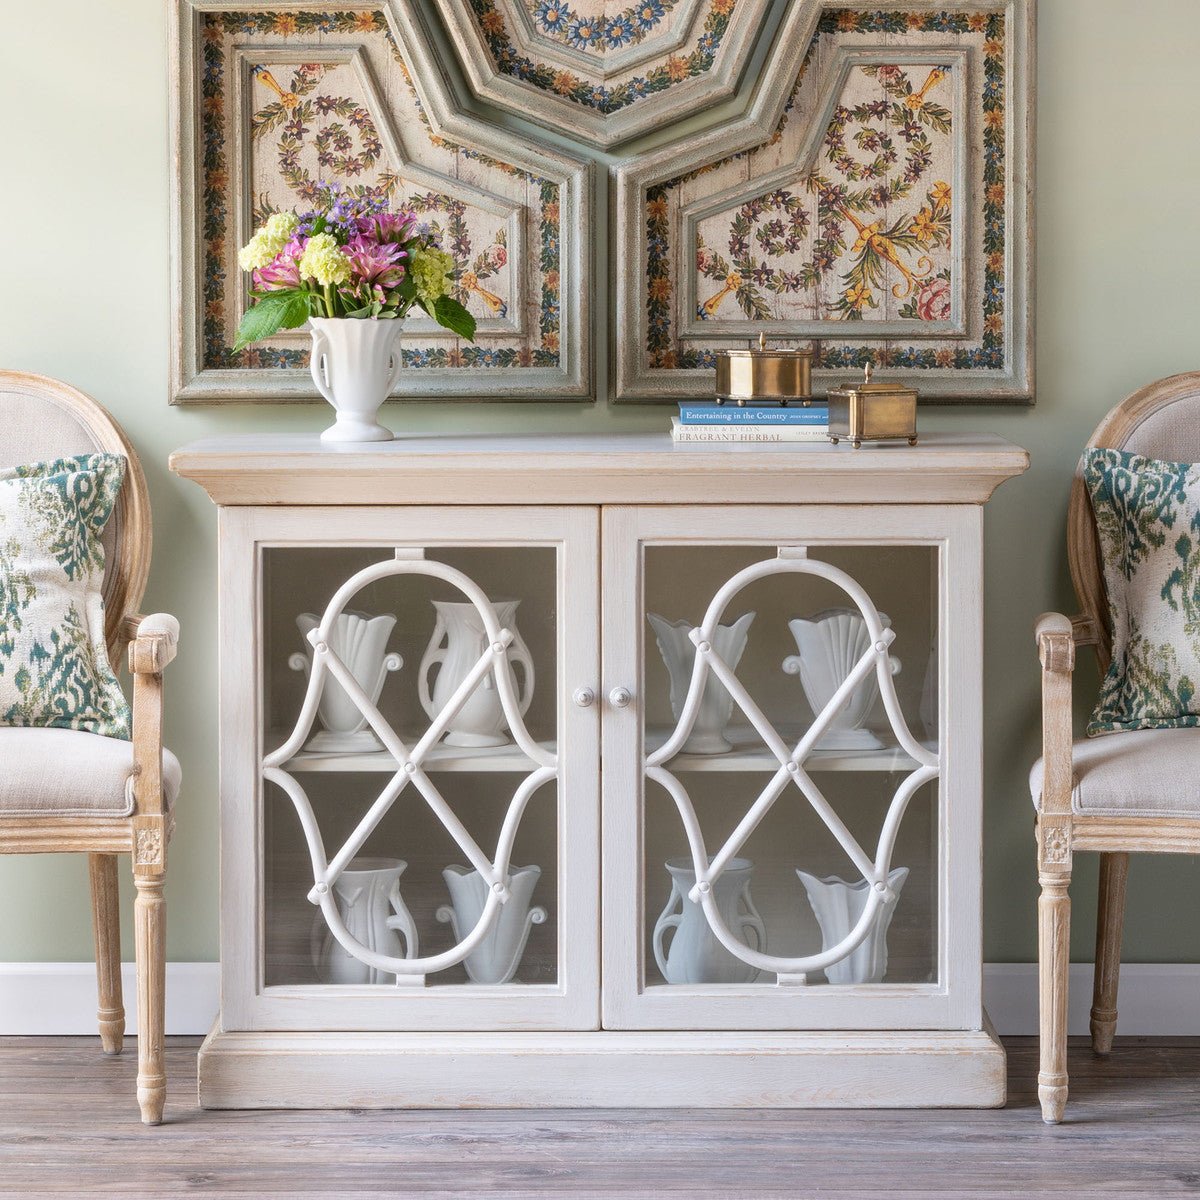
(355, 363)
(831, 643)
(695, 955)
(838, 907)
(481, 720)
(497, 957)
(367, 894)
(679, 654)
(360, 641)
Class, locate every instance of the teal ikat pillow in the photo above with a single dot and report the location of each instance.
(1148, 521)
(54, 668)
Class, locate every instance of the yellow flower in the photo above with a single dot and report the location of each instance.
(257, 252)
(859, 296)
(941, 193)
(324, 261)
(280, 226)
(924, 227)
(431, 271)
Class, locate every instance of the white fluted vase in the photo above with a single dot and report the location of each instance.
(498, 956)
(679, 654)
(355, 363)
(831, 643)
(838, 907)
(360, 641)
(367, 894)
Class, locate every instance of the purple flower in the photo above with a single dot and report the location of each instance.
(386, 227)
(375, 263)
(282, 272)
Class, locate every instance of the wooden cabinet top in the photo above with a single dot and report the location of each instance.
(297, 469)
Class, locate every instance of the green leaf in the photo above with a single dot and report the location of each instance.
(449, 314)
(275, 311)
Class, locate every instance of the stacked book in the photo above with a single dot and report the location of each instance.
(698, 422)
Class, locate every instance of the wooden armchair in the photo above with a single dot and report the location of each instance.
(1114, 794)
(64, 790)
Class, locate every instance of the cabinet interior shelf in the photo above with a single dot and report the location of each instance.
(748, 755)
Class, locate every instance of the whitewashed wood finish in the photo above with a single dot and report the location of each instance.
(631, 999)
(246, 1002)
(707, 1069)
(593, 469)
(888, 1044)
(1060, 829)
(690, 98)
(632, 176)
(191, 382)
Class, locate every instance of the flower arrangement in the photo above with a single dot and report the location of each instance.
(349, 257)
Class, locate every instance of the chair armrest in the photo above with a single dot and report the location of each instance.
(153, 641)
(1056, 638)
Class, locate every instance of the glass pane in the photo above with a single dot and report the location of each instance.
(411, 878)
(799, 875)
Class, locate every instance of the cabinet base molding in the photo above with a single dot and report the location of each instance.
(605, 1069)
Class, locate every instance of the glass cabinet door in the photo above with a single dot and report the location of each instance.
(416, 839)
(785, 771)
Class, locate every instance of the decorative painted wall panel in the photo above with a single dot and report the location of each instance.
(283, 100)
(604, 71)
(880, 216)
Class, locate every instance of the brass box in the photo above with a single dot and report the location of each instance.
(870, 411)
(764, 376)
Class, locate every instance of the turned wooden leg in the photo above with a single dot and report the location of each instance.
(106, 925)
(1054, 963)
(150, 925)
(1110, 925)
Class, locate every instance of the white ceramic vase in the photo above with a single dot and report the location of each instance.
(355, 363)
(695, 955)
(360, 641)
(458, 642)
(831, 643)
(367, 894)
(838, 906)
(679, 654)
(497, 957)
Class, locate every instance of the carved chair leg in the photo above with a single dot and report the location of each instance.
(1110, 925)
(150, 923)
(1054, 963)
(106, 925)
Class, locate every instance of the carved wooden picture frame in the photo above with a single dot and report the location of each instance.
(875, 203)
(268, 99)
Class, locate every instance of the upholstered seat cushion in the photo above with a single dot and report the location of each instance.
(66, 772)
(1149, 772)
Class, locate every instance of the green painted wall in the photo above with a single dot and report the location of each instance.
(84, 287)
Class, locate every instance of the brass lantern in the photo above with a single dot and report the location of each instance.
(872, 411)
(764, 376)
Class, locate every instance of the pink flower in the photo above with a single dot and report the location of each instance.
(933, 301)
(387, 227)
(282, 272)
(375, 263)
(497, 256)
(890, 74)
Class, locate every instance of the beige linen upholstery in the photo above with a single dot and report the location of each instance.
(67, 772)
(1149, 772)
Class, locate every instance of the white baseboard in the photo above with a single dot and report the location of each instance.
(60, 998)
(1156, 999)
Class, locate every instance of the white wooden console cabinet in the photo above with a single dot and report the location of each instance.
(797, 733)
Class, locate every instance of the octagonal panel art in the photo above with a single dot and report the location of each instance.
(287, 101)
(604, 71)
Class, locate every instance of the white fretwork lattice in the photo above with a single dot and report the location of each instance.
(792, 560)
(409, 760)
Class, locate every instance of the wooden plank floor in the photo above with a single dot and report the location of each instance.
(68, 1126)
